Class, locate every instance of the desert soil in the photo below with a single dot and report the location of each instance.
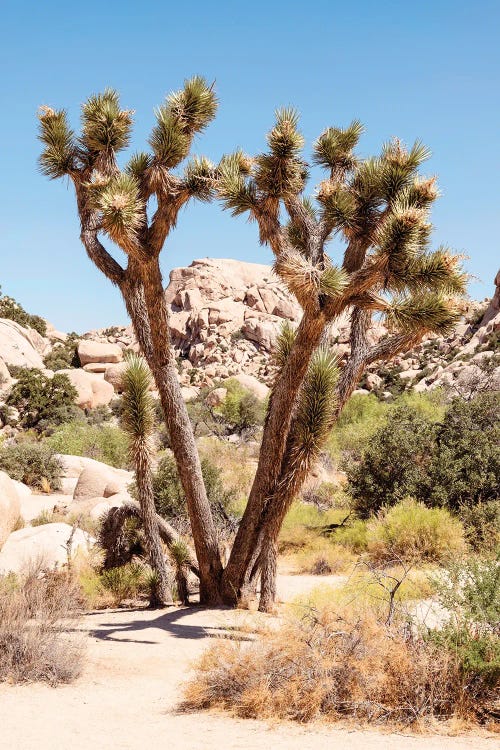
(129, 693)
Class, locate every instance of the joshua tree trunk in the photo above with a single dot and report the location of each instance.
(181, 435)
(274, 439)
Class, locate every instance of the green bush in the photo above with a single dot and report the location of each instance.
(482, 525)
(394, 464)
(32, 463)
(470, 590)
(12, 310)
(64, 355)
(466, 464)
(410, 531)
(105, 443)
(454, 462)
(241, 409)
(42, 402)
(361, 417)
(129, 581)
(170, 499)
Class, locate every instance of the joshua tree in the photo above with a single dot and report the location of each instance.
(138, 420)
(377, 207)
(114, 202)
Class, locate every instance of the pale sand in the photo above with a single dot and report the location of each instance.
(131, 686)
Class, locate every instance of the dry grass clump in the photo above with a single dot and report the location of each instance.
(36, 612)
(410, 531)
(325, 665)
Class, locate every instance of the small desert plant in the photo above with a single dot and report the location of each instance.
(64, 355)
(126, 582)
(35, 612)
(32, 463)
(410, 531)
(180, 555)
(241, 409)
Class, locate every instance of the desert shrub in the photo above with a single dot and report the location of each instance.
(36, 612)
(394, 464)
(13, 310)
(42, 402)
(105, 443)
(410, 531)
(360, 418)
(466, 463)
(241, 409)
(470, 590)
(452, 463)
(130, 581)
(477, 656)
(352, 535)
(34, 464)
(482, 525)
(170, 500)
(64, 355)
(327, 665)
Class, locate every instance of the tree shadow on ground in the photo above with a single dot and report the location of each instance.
(167, 621)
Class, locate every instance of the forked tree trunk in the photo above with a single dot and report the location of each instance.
(273, 447)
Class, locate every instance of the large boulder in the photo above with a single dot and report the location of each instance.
(95, 351)
(20, 347)
(10, 506)
(100, 480)
(253, 385)
(48, 546)
(92, 390)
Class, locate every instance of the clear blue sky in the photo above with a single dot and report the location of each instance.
(427, 70)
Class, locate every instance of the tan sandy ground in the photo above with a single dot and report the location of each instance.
(128, 694)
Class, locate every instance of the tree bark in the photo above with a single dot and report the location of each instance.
(162, 364)
(273, 446)
(144, 479)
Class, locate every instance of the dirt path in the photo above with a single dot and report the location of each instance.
(127, 697)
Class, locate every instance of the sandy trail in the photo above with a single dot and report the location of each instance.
(128, 694)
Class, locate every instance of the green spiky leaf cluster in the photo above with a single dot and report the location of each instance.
(180, 554)
(317, 405)
(185, 113)
(58, 156)
(138, 414)
(198, 178)
(421, 312)
(334, 148)
(104, 125)
(283, 345)
(121, 208)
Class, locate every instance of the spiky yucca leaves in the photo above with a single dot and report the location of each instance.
(316, 408)
(185, 113)
(138, 415)
(283, 345)
(104, 125)
(423, 312)
(58, 157)
(281, 172)
(138, 419)
(334, 148)
(306, 281)
(122, 210)
(198, 178)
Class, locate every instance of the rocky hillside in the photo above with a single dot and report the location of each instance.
(225, 316)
